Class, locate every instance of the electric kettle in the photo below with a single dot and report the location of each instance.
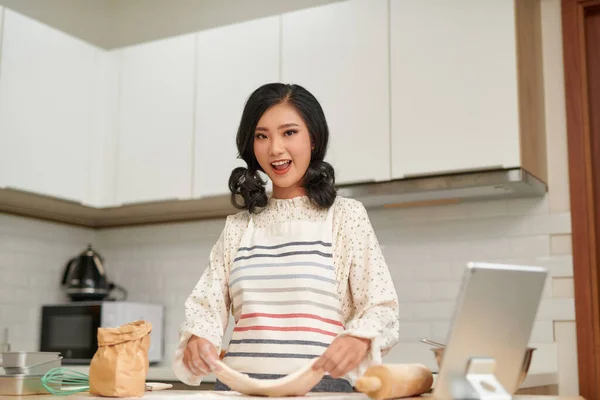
(84, 278)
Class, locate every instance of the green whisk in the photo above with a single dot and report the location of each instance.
(63, 381)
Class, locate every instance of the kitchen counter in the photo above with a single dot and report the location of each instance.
(194, 394)
(162, 373)
(165, 374)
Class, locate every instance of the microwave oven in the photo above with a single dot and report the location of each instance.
(72, 328)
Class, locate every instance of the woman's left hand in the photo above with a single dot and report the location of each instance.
(343, 355)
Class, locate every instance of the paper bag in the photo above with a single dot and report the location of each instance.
(120, 365)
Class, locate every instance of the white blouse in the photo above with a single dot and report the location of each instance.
(368, 299)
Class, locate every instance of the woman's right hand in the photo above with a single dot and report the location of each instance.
(200, 356)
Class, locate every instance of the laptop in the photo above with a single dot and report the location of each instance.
(490, 331)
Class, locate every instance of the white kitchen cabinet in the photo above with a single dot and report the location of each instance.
(103, 132)
(455, 98)
(155, 123)
(339, 53)
(232, 61)
(45, 105)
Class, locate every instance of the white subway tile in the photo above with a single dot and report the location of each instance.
(434, 311)
(11, 296)
(544, 358)
(535, 246)
(566, 340)
(561, 245)
(558, 266)
(414, 331)
(176, 300)
(417, 291)
(484, 249)
(411, 352)
(467, 229)
(542, 332)
(445, 290)
(548, 287)
(14, 278)
(405, 312)
(439, 331)
(450, 250)
(528, 206)
(563, 287)
(548, 224)
(20, 314)
(438, 271)
(556, 309)
(449, 211)
(490, 208)
(44, 280)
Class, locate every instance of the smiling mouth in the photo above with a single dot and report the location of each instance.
(281, 166)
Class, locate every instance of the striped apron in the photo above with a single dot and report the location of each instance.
(285, 304)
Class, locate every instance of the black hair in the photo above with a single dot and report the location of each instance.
(246, 186)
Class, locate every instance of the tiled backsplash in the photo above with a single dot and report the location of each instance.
(426, 250)
(32, 258)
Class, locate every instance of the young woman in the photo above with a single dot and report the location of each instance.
(302, 271)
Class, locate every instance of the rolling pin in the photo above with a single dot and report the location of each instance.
(392, 381)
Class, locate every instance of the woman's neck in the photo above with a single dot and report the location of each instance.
(288, 192)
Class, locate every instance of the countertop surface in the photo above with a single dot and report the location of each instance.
(196, 394)
(165, 373)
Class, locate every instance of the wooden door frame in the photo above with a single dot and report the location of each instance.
(581, 175)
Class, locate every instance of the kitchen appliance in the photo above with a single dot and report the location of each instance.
(71, 328)
(84, 278)
(29, 363)
(491, 327)
(23, 372)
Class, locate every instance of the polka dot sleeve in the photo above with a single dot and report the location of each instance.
(369, 298)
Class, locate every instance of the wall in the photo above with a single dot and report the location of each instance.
(32, 257)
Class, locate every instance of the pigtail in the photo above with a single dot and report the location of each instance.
(319, 183)
(247, 189)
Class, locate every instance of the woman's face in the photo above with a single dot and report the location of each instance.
(282, 146)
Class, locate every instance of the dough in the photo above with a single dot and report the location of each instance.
(296, 384)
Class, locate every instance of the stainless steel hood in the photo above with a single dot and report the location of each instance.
(493, 184)
(420, 191)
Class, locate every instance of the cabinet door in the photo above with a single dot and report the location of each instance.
(45, 106)
(155, 125)
(232, 62)
(454, 86)
(339, 53)
(103, 138)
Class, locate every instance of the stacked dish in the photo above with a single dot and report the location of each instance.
(23, 371)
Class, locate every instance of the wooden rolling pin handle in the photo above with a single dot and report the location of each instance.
(367, 384)
(393, 381)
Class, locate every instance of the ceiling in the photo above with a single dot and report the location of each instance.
(112, 24)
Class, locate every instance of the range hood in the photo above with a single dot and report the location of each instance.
(480, 185)
(411, 192)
